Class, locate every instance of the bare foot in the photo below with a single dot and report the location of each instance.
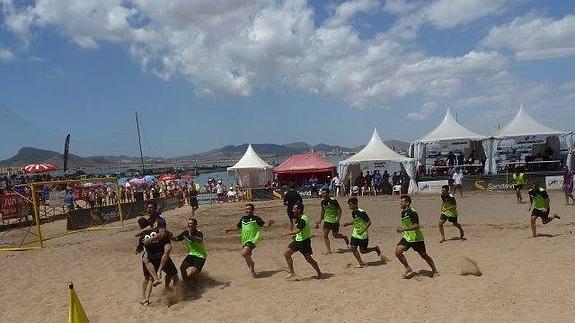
(359, 266)
(145, 302)
(290, 275)
(319, 276)
(556, 216)
(254, 275)
(326, 253)
(442, 240)
(408, 274)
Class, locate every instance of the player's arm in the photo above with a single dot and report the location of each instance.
(297, 229)
(320, 217)
(268, 224)
(338, 212)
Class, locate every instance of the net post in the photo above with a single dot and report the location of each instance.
(119, 202)
(36, 213)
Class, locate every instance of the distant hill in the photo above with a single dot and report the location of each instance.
(28, 155)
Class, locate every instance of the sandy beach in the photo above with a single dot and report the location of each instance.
(524, 279)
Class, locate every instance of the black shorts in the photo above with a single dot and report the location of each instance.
(304, 247)
(169, 268)
(194, 261)
(334, 227)
(544, 215)
(361, 243)
(418, 246)
(250, 245)
(452, 219)
(518, 186)
(194, 201)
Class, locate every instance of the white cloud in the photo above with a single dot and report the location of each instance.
(230, 46)
(427, 110)
(400, 7)
(6, 55)
(535, 37)
(451, 13)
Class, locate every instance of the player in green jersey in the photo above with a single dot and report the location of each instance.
(302, 240)
(360, 234)
(194, 241)
(412, 237)
(330, 215)
(448, 213)
(539, 202)
(250, 225)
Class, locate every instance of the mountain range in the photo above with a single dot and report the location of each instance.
(29, 155)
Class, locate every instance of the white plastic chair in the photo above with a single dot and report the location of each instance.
(397, 189)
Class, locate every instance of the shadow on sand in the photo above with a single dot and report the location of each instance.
(269, 273)
(192, 290)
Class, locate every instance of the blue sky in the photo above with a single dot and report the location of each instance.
(204, 74)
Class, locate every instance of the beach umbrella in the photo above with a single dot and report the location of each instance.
(149, 179)
(39, 168)
(188, 177)
(137, 181)
(167, 177)
(88, 184)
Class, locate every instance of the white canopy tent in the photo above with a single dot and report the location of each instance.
(251, 170)
(377, 151)
(521, 125)
(448, 130)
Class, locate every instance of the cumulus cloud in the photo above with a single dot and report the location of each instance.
(427, 110)
(6, 55)
(451, 13)
(535, 37)
(230, 46)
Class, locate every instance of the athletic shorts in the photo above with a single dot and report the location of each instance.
(304, 247)
(544, 215)
(518, 186)
(418, 246)
(361, 243)
(194, 201)
(334, 227)
(169, 268)
(568, 189)
(452, 219)
(194, 261)
(250, 245)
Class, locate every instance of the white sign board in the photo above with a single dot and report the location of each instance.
(554, 182)
(56, 198)
(431, 186)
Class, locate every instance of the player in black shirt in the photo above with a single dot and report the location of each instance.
(291, 197)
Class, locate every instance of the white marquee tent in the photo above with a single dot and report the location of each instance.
(521, 125)
(448, 130)
(377, 151)
(251, 170)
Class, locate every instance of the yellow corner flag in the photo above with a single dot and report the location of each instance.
(76, 312)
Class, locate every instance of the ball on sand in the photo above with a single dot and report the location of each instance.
(469, 267)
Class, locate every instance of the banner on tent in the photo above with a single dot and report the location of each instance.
(207, 198)
(431, 186)
(554, 182)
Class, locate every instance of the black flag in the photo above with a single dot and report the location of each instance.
(66, 148)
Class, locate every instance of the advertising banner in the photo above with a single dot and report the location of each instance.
(431, 186)
(554, 182)
(9, 205)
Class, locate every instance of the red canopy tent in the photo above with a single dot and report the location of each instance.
(301, 167)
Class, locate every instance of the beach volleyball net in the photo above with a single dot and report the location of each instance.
(37, 212)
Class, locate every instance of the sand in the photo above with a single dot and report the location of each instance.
(523, 279)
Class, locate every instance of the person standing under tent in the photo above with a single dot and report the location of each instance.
(301, 241)
(568, 185)
(448, 213)
(539, 206)
(330, 215)
(250, 225)
(458, 181)
(518, 182)
(412, 237)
